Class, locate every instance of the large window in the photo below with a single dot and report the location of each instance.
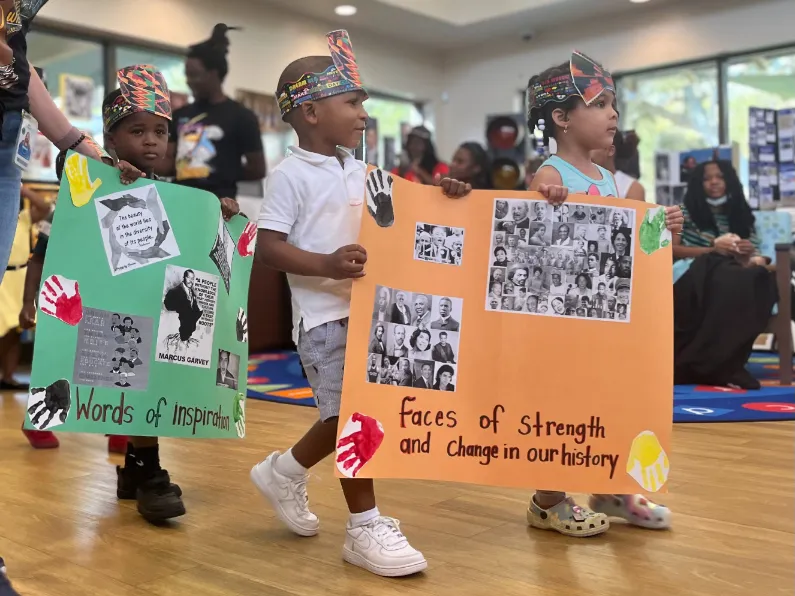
(671, 110)
(699, 106)
(392, 117)
(765, 80)
(172, 65)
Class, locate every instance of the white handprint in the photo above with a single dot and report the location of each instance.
(242, 326)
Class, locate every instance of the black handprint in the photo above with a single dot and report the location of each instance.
(379, 198)
(55, 399)
(242, 326)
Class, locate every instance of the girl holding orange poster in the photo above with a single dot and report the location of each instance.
(574, 103)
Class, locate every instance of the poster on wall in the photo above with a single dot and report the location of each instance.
(77, 94)
(786, 156)
(763, 176)
(499, 367)
(277, 135)
(371, 143)
(673, 169)
(137, 331)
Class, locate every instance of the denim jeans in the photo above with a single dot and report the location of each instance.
(10, 184)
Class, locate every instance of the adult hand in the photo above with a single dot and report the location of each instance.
(745, 247)
(726, 244)
(346, 262)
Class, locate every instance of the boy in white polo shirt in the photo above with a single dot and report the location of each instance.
(309, 224)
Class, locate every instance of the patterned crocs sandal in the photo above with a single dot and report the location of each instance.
(636, 509)
(568, 518)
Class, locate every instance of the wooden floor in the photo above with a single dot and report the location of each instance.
(62, 532)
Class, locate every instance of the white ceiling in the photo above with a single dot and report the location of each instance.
(452, 24)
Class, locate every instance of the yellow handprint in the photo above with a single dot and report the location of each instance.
(80, 185)
(647, 462)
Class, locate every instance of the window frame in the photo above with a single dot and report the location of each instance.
(111, 42)
(721, 62)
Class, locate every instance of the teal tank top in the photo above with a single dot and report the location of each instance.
(579, 183)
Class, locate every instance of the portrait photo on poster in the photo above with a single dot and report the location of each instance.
(135, 229)
(414, 339)
(187, 317)
(114, 349)
(227, 371)
(223, 252)
(439, 244)
(49, 406)
(572, 260)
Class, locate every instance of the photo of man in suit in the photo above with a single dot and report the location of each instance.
(425, 379)
(400, 311)
(223, 376)
(182, 300)
(445, 321)
(398, 346)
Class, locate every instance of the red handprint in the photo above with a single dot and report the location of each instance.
(356, 447)
(60, 298)
(247, 240)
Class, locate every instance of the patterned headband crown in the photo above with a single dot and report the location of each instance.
(143, 89)
(586, 79)
(341, 77)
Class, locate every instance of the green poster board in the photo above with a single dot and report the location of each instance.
(141, 326)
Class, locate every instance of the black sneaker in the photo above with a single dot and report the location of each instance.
(157, 502)
(127, 485)
(5, 585)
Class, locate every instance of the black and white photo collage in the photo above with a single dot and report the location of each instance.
(439, 244)
(414, 340)
(572, 260)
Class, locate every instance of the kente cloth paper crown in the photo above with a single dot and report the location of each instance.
(585, 79)
(341, 77)
(143, 89)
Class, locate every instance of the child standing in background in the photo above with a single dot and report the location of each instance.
(576, 102)
(46, 439)
(309, 222)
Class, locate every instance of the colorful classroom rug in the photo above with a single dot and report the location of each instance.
(277, 376)
(700, 403)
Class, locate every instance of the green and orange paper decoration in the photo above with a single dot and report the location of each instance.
(341, 77)
(143, 89)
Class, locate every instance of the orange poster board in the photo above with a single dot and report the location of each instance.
(545, 336)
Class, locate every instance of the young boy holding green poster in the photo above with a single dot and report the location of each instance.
(136, 118)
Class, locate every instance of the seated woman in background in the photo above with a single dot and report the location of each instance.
(419, 162)
(723, 292)
(471, 164)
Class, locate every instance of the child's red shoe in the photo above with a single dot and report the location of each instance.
(117, 444)
(41, 439)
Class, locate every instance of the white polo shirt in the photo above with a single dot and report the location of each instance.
(318, 203)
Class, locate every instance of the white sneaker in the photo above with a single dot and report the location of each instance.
(381, 548)
(286, 495)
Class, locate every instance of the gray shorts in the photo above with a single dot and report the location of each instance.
(322, 352)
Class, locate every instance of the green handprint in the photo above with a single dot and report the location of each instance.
(653, 234)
